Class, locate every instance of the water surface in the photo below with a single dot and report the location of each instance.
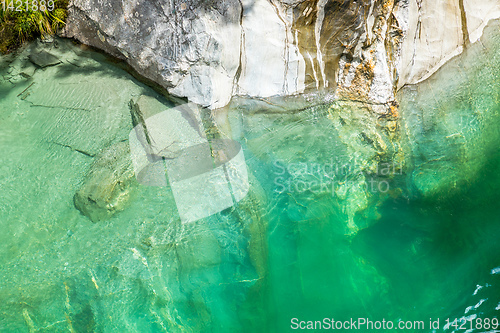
(423, 250)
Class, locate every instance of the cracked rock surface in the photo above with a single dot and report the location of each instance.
(211, 51)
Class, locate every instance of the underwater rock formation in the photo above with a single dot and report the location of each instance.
(209, 52)
(44, 59)
(450, 121)
(164, 131)
(108, 184)
(371, 136)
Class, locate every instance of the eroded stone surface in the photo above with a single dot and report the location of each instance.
(436, 31)
(210, 52)
(108, 184)
(191, 48)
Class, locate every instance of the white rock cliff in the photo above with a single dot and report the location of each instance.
(211, 51)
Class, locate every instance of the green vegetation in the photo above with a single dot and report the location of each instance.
(24, 20)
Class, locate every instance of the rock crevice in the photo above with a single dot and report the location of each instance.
(210, 52)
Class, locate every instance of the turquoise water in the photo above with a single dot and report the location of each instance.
(425, 248)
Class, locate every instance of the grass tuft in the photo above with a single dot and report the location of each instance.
(25, 20)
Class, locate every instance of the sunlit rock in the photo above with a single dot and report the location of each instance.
(271, 63)
(190, 48)
(209, 53)
(436, 31)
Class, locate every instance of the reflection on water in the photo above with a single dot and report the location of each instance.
(403, 250)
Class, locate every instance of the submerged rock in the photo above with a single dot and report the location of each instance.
(108, 185)
(44, 59)
(451, 121)
(371, 137)
(164, 131)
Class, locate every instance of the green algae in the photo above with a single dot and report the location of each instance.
(23, 21)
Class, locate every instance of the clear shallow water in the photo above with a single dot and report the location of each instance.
(251, 268)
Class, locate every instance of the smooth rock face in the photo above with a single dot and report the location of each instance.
(210, 52)
(271, 63)
(436, 31)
